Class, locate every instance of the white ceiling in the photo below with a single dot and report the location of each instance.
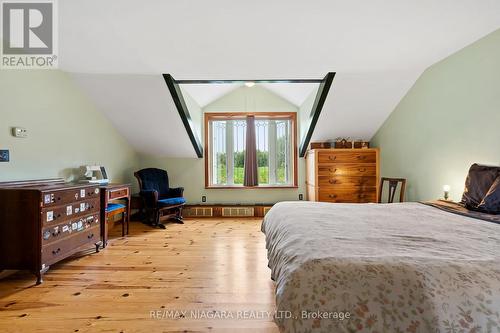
(378, 48)
(142, 110)
(295, 93)
(204, 94)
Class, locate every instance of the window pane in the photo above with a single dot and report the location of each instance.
(262, 138)
(239, 144)
(274, 151)
(282, 151)
(219, 157)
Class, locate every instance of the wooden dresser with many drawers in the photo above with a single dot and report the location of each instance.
(43, 222)
(342, 175)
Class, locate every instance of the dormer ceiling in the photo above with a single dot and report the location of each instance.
(118, 49)
(204, 94)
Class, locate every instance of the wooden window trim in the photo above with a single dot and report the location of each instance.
(242, 115)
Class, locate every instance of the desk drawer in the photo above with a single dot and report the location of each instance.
(347, 181)
(347, 196)
(118, 193)
(56, 251)
(58, 214)
(348, 170)
(61, 231)
(336, 156)
(66, 197)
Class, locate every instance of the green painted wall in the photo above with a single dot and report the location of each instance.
(65, 130)
(190, 172)
(447, 121)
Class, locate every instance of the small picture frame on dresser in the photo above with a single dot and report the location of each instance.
(360, 144)
(343, 143)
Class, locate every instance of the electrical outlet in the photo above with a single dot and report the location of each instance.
(4, 155)
(19, 132)
(203, 198)
(301, 196)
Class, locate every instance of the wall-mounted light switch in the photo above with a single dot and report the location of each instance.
(19, 132)
(301, 196)
(203, 198)
(4, 155)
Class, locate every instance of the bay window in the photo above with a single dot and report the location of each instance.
(275, 149)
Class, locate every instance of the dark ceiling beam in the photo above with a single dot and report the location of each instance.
(182, 108)
(244, 81)
(319, 101)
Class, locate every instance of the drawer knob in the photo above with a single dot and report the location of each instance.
(332, 158)
(362, 169)
(332, 170)
(333, 196)
(361, 157)
(56, 251)
(333, 181)
(90, 236)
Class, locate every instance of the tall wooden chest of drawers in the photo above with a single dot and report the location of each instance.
(42, 223)
(343, 175)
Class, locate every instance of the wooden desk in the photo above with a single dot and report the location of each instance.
(112, 192)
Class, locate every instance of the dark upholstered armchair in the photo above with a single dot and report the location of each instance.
(160, 201)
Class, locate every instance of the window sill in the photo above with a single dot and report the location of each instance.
(241, 187)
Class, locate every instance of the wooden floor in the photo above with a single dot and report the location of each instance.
(209, 268)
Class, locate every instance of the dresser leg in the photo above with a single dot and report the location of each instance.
(39, 275)
(97, 246)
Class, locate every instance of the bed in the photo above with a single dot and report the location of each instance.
(407, 267)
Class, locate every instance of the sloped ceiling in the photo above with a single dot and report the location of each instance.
(204, 94)
(142, 110)
(117, 50)
(296, 93)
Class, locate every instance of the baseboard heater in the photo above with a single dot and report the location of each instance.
(225, 210)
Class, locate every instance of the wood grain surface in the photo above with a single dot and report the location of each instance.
(205, 266)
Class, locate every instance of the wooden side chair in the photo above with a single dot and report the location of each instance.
(393, 185)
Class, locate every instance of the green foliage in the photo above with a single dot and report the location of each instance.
(262, 163)
(239, 159)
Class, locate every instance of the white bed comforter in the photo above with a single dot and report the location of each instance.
(389, 268)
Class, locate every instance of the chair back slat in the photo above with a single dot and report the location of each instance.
(392, 187)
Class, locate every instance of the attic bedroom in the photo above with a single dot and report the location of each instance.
(186, 166)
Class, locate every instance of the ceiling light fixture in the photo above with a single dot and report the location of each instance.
(250, 84)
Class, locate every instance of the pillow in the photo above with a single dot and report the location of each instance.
(491, 202)
(478, 183)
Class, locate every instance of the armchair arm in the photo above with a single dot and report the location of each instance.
(176, 192)
(150, 197)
